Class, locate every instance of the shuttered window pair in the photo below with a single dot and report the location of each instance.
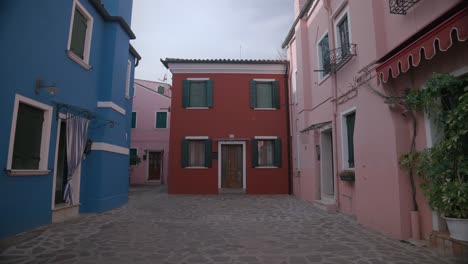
(197, 93)
(264, 94)
(78, 38)
(196, 153)
(266, 153)
(161, 120)
(28, 138)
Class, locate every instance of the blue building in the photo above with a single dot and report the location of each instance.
(67, 66)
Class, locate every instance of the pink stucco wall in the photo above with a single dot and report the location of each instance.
(380, 197)
(146, 137)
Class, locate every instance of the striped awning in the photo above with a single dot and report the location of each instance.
(443, 34)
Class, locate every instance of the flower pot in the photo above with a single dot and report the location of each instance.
(458, 228)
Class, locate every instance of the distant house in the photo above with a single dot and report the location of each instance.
(229, 130)
(150, 132)
(66, 84)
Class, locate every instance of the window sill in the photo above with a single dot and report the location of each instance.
(266, 167)
(160, 128)
(78, 60)
(28, 172)
(324, 78)
(197, 168)
(197, 108)
(268, 109)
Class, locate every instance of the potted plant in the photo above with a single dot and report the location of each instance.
(444, 167)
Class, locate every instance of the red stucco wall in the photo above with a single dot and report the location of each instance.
(231, 114)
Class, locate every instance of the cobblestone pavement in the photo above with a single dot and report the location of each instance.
(158, 228)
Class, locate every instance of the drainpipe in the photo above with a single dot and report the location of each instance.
(288, 118)
(327, 6)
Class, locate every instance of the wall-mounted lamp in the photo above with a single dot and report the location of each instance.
(51, 89)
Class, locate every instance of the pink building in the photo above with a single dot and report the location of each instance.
(150, 132)
(346, 140)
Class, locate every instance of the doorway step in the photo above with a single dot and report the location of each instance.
(231, 191)
(327, 206)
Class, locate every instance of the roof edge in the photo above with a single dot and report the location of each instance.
(291, 32)
(107, 17)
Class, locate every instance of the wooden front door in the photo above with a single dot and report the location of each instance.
(231, 166)
(154, 166)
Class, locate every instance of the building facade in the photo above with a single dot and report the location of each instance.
(346, 141)
(229, 128)
(66, 107)
(151, 117)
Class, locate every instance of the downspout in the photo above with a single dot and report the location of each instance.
(327, 6)
(288, 118)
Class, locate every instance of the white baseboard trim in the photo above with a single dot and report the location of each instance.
(109, 148)
(108, 104)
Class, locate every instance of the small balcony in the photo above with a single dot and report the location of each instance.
(400, 7)
(339, 57)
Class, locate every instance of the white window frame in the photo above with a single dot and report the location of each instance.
(321, 76)
(156, 119)
(45, 141)
(344, 140)
(196, 138)
(338, 20)
(136, 120)
(267, 81)
(89, 33)
(266, 138)
(127, 80)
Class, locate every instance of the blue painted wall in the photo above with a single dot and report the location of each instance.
(34, 41)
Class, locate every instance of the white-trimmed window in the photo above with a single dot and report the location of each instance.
(196, 152)
(127, 80)
(343, 35)
(197, 93)
(266, 152)
(161, 120)
(264, 94)
(29, 138)
(79, 39)
(323, 49)
(348, 119)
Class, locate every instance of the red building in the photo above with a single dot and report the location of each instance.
(229, 127)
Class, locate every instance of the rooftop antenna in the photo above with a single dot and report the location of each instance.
(240, 51)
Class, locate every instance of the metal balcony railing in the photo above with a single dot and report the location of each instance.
(339, 57)
(401, 6)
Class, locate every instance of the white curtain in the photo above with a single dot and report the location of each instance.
(77, 134)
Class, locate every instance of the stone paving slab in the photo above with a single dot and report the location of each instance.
(158, 228)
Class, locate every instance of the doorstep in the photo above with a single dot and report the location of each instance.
(325, 205)
(446, 246)
(231, 191)
(62, 213)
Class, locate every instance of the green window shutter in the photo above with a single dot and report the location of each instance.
(28, 138)
(254, 153)
(133, 153)
(276, 95)
(208, 153)
(350, 120)
(134, 116)
(161, 89)
(161, 120)
(277, 155)
(78, 38)
(185, 93)
(253, 94)
(185, 153)
(209, 93)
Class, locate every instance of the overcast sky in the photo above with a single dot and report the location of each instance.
(207, 29)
